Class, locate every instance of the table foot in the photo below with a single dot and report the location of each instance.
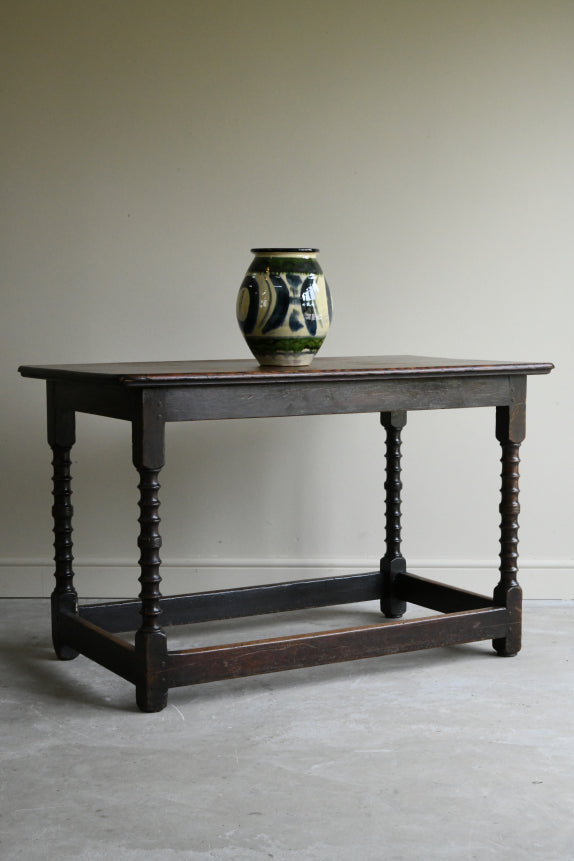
(391, 606)
(62, 603)
(151, 664)
(502, 651)
(509, 646)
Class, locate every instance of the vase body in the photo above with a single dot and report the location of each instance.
(284, 306)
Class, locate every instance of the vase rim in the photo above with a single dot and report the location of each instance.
(284, 250)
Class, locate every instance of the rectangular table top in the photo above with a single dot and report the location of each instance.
(226, 371)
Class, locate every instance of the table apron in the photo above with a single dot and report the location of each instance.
(191, 403)
(115, 402)
(259, 400)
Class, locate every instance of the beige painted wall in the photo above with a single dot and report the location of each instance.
(425, 147)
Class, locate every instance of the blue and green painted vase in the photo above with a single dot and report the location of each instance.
(284, 306)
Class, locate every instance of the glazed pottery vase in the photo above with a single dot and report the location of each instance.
(284, 306)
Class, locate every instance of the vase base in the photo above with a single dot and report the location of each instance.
(284, 352)
(285, 360)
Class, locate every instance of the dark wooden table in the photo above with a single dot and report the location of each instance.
(153, 393)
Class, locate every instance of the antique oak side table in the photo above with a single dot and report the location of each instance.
(151, 394)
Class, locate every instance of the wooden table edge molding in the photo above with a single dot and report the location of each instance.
(226, 371)
(150, 394)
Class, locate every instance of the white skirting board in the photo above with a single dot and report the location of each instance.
(540, 579)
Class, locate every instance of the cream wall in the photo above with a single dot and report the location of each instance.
(425, 147)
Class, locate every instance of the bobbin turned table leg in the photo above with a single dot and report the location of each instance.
(148, 432)
(61, 438)
(510, 431)
(393, 562)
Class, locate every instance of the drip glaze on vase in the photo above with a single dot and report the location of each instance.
(284, 306)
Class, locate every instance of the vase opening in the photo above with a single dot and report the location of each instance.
(286, 252)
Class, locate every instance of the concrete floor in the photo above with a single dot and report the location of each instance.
(447, 754)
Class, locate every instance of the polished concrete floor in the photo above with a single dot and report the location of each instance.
(446, 754)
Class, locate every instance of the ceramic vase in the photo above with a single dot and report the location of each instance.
(284, 306)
